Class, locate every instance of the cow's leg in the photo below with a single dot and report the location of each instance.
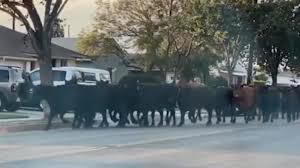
(168, 117)
(294, 116)
(89, 119)
(259, 114)
(173, 114)
(192, 117)
(132, 118)
(218, 113)
(153, 118)
(161, 121)
(288, 116)
(282, 114)
(104, 120)
(199, 114)
(209, 111)
(233, 115)
(182, 117)
(127, 121)
(144, 119)
(61, 116)
(123, 115)
(113, 116)
(224, 112)
(49, 123)
(246, 116)
(76, 121)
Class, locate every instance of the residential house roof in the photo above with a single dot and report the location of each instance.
(16, 44)
(130, 51)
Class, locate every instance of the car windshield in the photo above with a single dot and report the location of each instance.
(4, 76)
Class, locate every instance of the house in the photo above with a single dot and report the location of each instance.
(107, 61)
(239, 75)
(284, 78)
(16, 50)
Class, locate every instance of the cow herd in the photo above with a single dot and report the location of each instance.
(138, 104)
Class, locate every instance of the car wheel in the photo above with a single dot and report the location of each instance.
(46, 108)
(12, 108)
(2, 102)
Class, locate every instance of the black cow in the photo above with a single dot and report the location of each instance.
(92, 100)
(125, 98)
(268, 101)
(60, 99)
(224, 104)
(195, 98)
(157, 97)
(292, 100)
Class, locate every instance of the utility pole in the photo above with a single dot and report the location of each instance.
(14, 22)
(69, 27)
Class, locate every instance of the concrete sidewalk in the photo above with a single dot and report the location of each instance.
(34, 121)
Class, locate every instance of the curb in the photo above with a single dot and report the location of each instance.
(39, 126)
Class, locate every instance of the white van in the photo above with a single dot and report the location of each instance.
(85, 76)
(92, 75)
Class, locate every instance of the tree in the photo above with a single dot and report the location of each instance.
(95, 44)
(274, 36)
(156, 27)
(202, 61)
(58, 28)
(224, 24)
(39, 31)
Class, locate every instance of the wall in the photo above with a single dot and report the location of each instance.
(17, 63)
(71, 63)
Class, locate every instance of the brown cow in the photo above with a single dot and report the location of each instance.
(245, 99)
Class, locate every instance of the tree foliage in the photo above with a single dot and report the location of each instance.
(275, 35)
(225, 25)
(190, 36)
(58, 28)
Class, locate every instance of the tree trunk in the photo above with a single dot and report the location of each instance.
(175, 76)
(45, 63)
(205, 77)
(250, 65)
(230, 78)
(274, 78)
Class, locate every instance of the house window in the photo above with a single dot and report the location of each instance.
(64, 63)
(240, 80)
(54, 63)
(32, 65)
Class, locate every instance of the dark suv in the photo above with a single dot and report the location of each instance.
(10, 78)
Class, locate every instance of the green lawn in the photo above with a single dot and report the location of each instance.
(11, 116)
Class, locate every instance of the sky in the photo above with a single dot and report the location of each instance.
(78, 14)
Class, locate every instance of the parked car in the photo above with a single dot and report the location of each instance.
(84, 76)
(93, 75)
(10, 79)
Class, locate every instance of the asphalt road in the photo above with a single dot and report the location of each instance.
(194, 146)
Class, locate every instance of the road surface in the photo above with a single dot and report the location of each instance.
(194, 146)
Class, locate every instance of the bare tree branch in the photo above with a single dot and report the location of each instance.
(47, 11)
